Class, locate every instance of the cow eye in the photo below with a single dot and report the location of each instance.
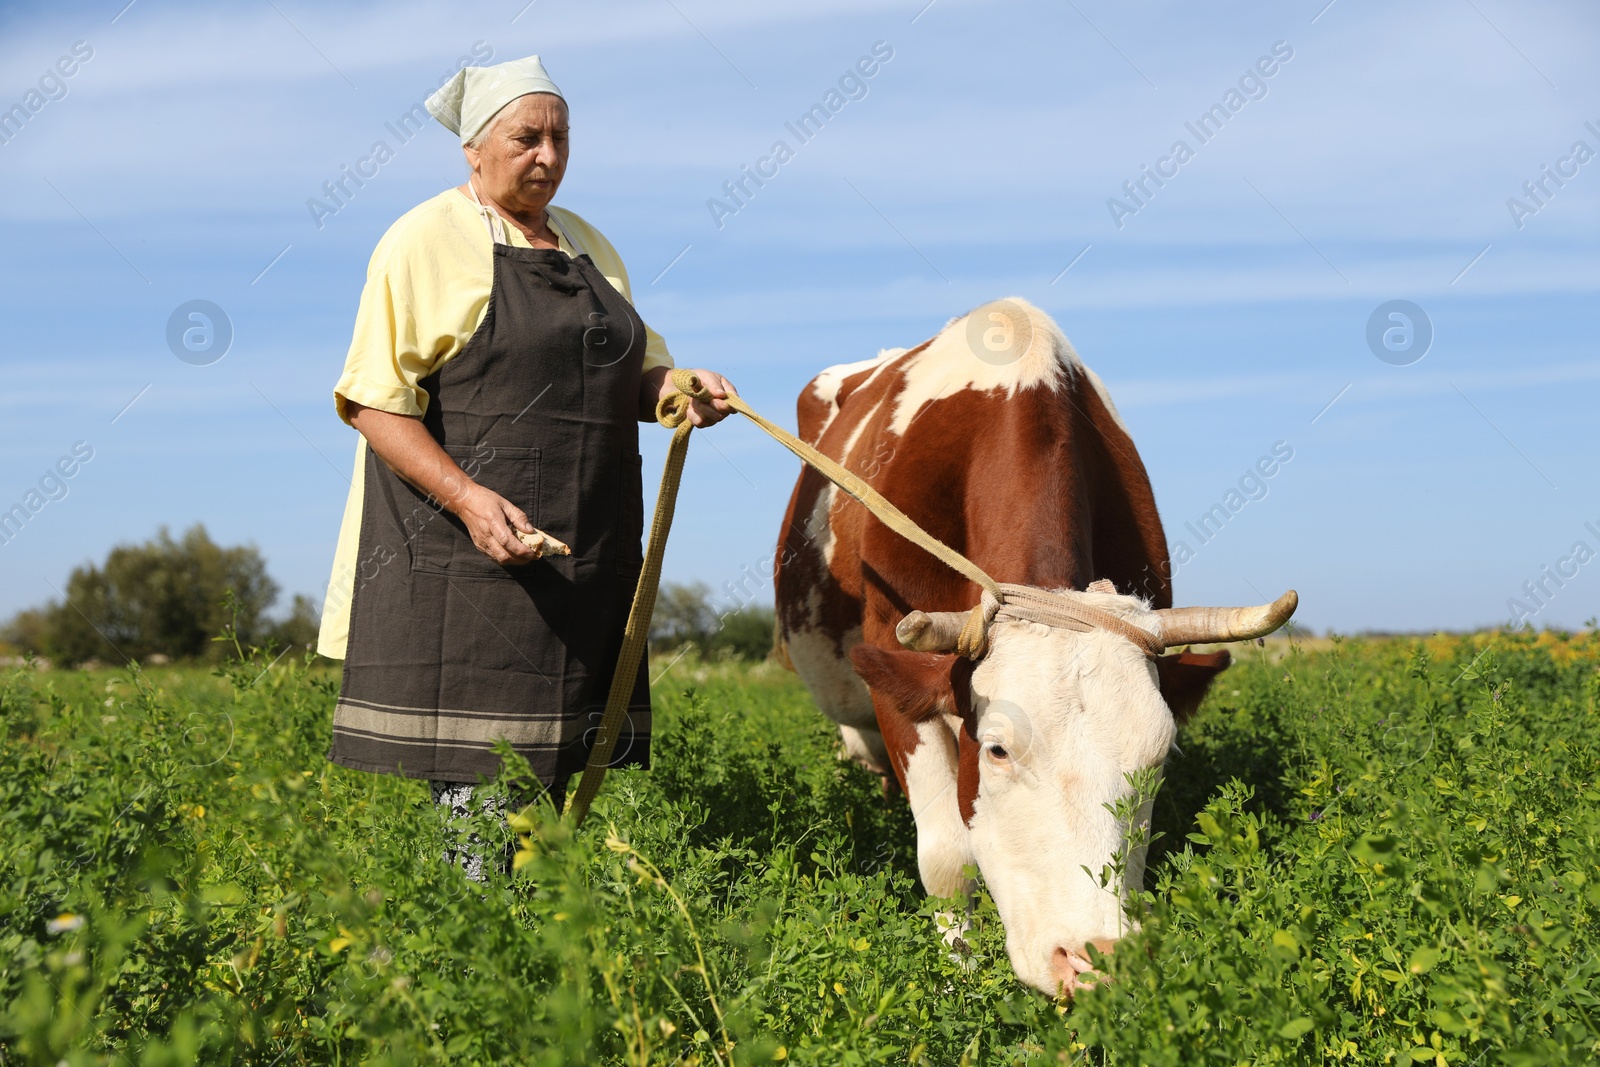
(998, 752)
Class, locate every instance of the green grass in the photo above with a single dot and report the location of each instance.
(1374, 852)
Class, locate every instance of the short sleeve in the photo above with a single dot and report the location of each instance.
(427, 288)
(384, 363)
(655, 350)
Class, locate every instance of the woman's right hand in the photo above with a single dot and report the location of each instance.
(405, 445)
(493, 522)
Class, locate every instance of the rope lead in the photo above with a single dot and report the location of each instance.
(1007, 600)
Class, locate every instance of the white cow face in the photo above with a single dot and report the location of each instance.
(1060, 719)
(1012, 765)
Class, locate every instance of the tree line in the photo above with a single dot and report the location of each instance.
(171, 597)
(685, 615)
(168, 597)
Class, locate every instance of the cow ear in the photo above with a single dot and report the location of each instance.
(918, 684)
(1185, 677)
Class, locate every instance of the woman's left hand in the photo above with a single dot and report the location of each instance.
(710, 412)
(658, 383)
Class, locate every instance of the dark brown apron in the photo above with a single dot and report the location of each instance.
(449, 650)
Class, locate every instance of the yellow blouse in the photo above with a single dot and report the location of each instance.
(426, 293)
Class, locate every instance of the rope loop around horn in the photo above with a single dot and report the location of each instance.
(974, 639)
(1031, 604)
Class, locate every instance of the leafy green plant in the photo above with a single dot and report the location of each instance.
(1133, 825)
(1374, 851)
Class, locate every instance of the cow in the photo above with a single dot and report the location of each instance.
(996, 439)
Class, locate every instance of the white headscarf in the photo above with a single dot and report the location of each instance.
(465, 104)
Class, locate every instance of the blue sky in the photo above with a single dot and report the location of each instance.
(1225, 313)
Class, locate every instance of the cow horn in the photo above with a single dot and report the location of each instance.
(1180, 626)
(931, 631)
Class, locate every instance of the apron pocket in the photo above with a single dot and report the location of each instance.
(443, 546)
(630, 515)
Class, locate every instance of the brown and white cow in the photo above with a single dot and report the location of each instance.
(999, 442)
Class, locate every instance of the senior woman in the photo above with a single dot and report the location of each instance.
(497, 376)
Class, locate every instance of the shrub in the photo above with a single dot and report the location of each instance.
(164, 597)
(684, 615)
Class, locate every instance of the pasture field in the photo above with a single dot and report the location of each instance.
(1375, 852)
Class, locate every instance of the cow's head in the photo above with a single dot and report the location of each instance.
(1048, 725)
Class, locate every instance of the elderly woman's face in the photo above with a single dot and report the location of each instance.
(523, 155)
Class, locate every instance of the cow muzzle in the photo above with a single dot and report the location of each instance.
(1073, 969)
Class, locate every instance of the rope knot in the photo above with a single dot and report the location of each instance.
(673, 409)
(974, 639)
